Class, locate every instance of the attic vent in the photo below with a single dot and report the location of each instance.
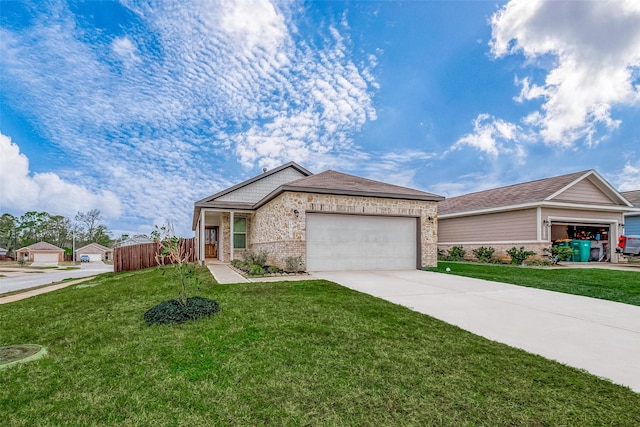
(264, 169)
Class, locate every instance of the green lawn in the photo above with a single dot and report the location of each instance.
(612, 285)
(287, 353)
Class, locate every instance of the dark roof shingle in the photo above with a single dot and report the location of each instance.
(633, 197)
(516, 194)
(43, 246)
(341, 183)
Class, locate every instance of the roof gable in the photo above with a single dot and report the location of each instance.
(586, 191)
(95, 246)
(253, 190)
(585, 187)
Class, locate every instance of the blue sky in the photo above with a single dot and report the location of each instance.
(141, 108)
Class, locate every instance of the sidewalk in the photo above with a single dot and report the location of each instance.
(43, 290)
(225, 274)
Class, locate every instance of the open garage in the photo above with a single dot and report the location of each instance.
(361, 242)
(93, 257)
(581, 210)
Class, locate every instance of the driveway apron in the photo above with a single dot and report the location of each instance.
(601, 337)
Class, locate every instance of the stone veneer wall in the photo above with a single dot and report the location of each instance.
(276, 228)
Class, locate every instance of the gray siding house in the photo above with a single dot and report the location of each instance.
(580, 205)
(632, 219)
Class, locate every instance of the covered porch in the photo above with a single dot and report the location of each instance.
(222, 234)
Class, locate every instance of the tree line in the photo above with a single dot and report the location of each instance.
(33, 227)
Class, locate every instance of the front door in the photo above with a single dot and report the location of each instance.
(211, 242)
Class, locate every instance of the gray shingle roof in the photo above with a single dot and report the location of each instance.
(516, 194)
(43, 246)
(633, 197)
(341, 183)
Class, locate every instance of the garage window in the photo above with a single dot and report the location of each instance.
(240, 233)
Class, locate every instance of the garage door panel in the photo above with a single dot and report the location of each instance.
(45, 257)
(358, 242)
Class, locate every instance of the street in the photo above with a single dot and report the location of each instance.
(18, 279)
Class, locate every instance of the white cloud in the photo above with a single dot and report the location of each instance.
(23, 191)
(254, 24)
(595, 47)
(628, 179)
(153, 114)
(494, 137)
(125, 49)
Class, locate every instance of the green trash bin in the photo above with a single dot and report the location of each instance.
(575, 247)
(585, 250)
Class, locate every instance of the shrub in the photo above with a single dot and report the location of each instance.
(273, 269)
(484, 254)
(456, 253)
(238, 264)
(442, 256)
(559, 253)
(519, 256)
(173, 311)
(256, 258)
(256, 270)
(293, 264)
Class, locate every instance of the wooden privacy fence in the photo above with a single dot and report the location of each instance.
(137, 257)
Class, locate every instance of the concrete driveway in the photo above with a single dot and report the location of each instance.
(25, 278)
(601, 337)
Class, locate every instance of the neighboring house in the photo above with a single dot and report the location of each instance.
(4, 256)
(332, 221)
(134, 240)
(41, 253)
(95, 252)
(580, 205)
(632, 219)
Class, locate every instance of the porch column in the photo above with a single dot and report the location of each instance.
(231, 236)
(201, 226)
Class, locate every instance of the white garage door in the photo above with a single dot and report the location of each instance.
(358, 242)
(45, 257)
(94, 257)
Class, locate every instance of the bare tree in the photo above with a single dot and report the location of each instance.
(91, 221)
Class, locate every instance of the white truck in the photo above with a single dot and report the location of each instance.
(629, 245)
